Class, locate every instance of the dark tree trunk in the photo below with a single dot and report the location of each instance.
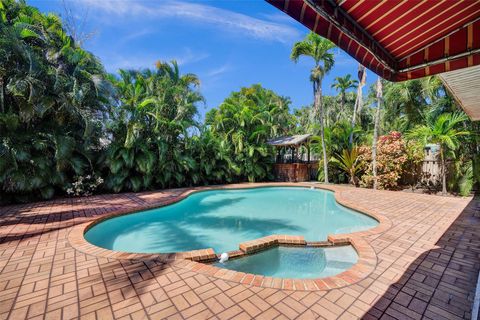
(444, 172)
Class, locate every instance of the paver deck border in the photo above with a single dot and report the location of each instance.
(427, 266)
(191, 260)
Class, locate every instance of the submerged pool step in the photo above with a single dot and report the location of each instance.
(319, 244)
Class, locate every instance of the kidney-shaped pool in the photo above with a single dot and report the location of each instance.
(222, 219)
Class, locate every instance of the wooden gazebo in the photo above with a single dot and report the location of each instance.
(293, 160)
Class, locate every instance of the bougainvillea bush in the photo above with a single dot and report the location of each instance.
(392, 159)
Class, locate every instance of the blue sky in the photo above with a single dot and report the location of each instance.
(227, 43)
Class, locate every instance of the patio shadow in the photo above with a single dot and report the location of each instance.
(440, 283)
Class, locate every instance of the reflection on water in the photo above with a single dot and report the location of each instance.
(222, 219)
(295, 262)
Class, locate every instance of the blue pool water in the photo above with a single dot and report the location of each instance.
(222, 219)
(295, 262)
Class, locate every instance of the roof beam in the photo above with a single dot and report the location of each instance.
(319, 10)
(441, 60)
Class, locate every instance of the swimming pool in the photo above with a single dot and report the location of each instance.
(295, 262)
(222, 219)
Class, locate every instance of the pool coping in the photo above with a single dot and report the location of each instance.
(192, 260)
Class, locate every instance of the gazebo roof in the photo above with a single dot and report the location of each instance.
(397, 39)
(289, 140)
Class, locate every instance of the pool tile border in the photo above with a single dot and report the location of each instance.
(367, 260)
(193, 260)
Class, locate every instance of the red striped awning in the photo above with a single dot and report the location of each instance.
(397, 39)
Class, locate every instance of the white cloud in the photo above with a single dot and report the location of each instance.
(115, 61)
(219, 70)
(189, 56)
(136, 34)
(343, 59)
(220, 18)
(279, 17)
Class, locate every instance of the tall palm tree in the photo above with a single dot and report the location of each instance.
(443, 131)
(342, 84)
(320, 50)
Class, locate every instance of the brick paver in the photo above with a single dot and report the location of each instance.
(427, 262)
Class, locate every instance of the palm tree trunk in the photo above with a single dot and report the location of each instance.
(319, 103)
(358, 100)
(356, 110)
(354, 115)
(444, 172)
(2, 97)
(375, 138)
(314, 111)
(342, 104)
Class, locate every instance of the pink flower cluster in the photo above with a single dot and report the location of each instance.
(391, 157)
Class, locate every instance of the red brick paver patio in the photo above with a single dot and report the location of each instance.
(427, 262)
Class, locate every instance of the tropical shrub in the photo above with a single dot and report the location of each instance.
(151, 129)
(445, 131)
(212, 155)
(351, 163)
(53, 99)
(337, 140)
(412, 173)
(465, 183)
(476, 168)
(460, 177)
(131, 167)
(245, 121)
(391, 159)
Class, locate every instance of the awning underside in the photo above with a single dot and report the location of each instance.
(464, 85)
(397, 39)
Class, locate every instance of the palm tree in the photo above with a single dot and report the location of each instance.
(342, 84)
(320, 50)
(442, 131)
(375, 132)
